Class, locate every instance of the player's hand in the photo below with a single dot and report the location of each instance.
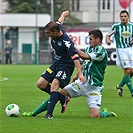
(108, 42)
(71, 37)
(82, 79)
(131, 43)
(65, 13)
(74, 78)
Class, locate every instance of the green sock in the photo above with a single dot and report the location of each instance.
(104, 114)
(128, 82)
(41, 108)
(122, 83)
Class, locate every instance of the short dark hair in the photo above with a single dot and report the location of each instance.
(96, 34)
(52, 26)
(124, 11)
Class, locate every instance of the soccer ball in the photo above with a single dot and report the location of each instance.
(12, 110)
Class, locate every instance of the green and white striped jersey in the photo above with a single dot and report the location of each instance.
(94, 69)
(123, 34)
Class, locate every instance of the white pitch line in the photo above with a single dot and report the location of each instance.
(3, 79)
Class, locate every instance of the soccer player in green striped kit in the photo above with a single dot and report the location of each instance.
(94, 67)
(123, 33)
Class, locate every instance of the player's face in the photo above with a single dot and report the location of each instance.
(92, 41)
(50, 34)
(124, 18)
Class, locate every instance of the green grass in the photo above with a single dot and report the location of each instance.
(20, 88)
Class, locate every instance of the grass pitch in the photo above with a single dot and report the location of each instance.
(18, 85)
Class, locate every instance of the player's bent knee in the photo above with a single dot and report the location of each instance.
(94, 112)
(40, 86)
(94, 115)
(41, 83)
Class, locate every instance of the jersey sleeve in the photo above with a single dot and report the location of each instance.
(71, 50)
(111, 31)
(98, 54)
(59, 23)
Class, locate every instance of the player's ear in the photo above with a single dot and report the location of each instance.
(97, 40)
(55, 32)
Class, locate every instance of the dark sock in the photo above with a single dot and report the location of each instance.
(52, 102)
(61, 98)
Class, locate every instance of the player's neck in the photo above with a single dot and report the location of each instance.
(125, 24)
(59, 34)
(99, 44)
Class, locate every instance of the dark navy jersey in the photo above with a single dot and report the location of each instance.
(8, 49)
(64, 49)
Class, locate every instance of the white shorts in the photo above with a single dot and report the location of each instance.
(92, 93)
(124, 57)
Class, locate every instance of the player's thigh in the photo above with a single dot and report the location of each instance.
(71, 89)
(64, 75)
(123, 58)
(55, 85)
(94, 103)
(131, 57)
(64, 92)
(42, 83)
(46, 77)
(93, 99)
(74, 89)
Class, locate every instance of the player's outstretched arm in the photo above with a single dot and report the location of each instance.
(64, 14)
(79, 71)
(82, 55)
(108, 41)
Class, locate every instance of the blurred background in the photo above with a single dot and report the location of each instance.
(23, 21)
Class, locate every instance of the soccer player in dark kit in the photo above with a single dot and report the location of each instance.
(59, 73)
